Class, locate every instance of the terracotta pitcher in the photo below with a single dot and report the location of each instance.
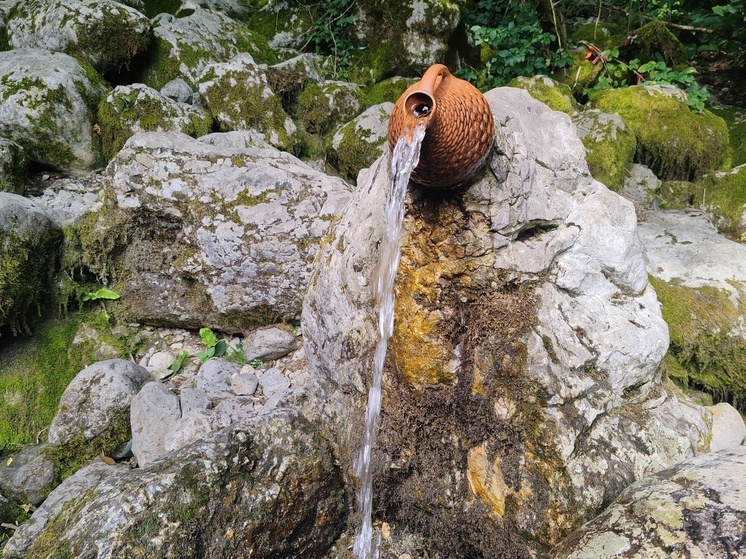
(459, 124)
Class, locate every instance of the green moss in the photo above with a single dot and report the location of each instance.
(735, 118)
(704, 352)
(556, 95)
(387, 91)
(655, 40)
(126, 111)
(52, 542)
(354, 152)
(678, 195)
(676, 143)
(163, 66)
(604, 35)
(610, 147)
(724, 195)
(581, 75)
(322, 107)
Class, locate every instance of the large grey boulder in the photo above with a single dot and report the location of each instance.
(27, 476)
(222, 237)
(47, 105)
(263, 489)
(105, 33)
(96, 403)
(523, 389)
(695, 509)
(29, 244)
(154, 412)
(186, 45)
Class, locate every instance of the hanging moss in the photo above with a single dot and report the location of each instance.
(676, 143)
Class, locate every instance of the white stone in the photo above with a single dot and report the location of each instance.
(728, 429)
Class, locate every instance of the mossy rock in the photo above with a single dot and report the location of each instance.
(357, 144)
(707, 351)
(557, 96)
(322, 107)
(283, 25)
(138, 108)
(609, 143)
(679, 195)
(29, 247)
(603, 35)
(653, 41)
(13, 164)
(237, 95)
(184, 47)
(676, 143)
(387, 91)
(582, 74)
(724, 196)
(735, 118)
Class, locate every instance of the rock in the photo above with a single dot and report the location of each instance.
(289, 77)
(153, 414)
(273, 382)
(556, 95)
(235, 9)
(322, 107)
(641, 186)
(699, 276)
(610, 146)
(29, 244)
(695, 509)
(105, 33)
(27, 476)
(244, 384)
(193, 400)
(129, 109)
(178, 90)
(357, 144)
(728, 429)
(215, 376)
(269, 343)
(204, 235)
(672, 140)
(67, 198)
(93, 416)
(195, 426)
(13, 165)
(266, 489)
(522, 389)
(47, 103)
(186, 45)
(238, 97)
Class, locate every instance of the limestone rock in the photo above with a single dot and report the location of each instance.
(29, 241)
(522, 390)
(105, 33)
(129, 109)
(178, 90)
(322, 107)
(609, 143)
(641, 186)
(695, 509)
(96, 404)
(238, 97)
(186, 45)
(153, 414)
(214, 377)
(47, 103)
(289, 77)
(556, 95)
(728, 429)
(13, 165)
(358, 143)
(269, 343)
(244, 384)
(26, 476)
(263, 489)
(201, 235)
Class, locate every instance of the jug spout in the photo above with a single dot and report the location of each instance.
(459, 123)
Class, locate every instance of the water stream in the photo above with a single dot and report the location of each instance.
(404, 159)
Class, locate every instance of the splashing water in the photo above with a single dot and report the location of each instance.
(404, 159)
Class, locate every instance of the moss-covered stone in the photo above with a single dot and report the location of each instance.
(610, 146)
(582, 74)
(707, 351)
(601, 34)
(238, 97)
(724, 196)
(556, 95)
(13, 164)
(673, 141)
(654, 40)
(138, 108)
(323, 107)
(735, 118)
(387, 91)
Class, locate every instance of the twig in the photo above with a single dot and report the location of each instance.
(8, 526)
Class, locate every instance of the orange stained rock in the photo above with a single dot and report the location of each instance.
(460, 127)
(486, 479)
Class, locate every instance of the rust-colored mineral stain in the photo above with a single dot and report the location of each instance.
(460, 127)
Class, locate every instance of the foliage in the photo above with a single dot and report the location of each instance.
(331, 34)
(515, 45)
(215, 347)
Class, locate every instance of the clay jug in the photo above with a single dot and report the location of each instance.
(460, 127)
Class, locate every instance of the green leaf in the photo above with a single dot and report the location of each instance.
(205, 355)
(179, 362)
(100, 294)
(208, 337)
(220, 348)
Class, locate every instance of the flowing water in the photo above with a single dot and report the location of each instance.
(404, 159)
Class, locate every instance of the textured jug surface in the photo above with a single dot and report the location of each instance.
(460, 127)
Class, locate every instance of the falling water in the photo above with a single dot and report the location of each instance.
(404, 159)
